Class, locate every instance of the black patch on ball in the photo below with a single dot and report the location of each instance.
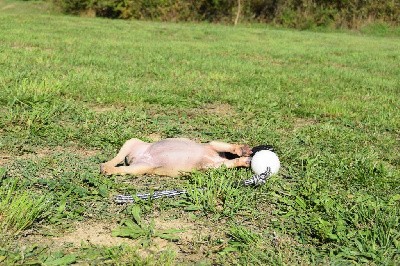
(262, 147)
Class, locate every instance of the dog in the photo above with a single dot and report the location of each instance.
(175, 156)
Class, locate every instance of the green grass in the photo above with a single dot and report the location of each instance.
(73, 89)
(18, 209)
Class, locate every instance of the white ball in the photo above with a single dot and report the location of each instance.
(263, 159)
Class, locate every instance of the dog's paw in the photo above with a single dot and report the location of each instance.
(246, 150)
(243, 150)
(103, 169)
(244, 161)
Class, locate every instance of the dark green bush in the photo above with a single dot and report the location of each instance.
(290, 13)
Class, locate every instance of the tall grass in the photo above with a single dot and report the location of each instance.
(19, 208)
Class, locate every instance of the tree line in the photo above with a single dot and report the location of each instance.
(288, 13)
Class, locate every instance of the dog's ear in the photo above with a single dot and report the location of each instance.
(262, 147)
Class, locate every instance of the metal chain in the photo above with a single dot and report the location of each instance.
(255, 180)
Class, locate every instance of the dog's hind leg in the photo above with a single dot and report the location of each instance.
(133, 169)
(127, 148)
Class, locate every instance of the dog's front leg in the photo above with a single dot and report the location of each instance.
(237, 162)
(240, 150)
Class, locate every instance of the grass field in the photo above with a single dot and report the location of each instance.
(73, 89)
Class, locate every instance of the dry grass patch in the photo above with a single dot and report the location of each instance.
(39, 153)
(218, 109)
(193, 245)
(300, 123)
(99, 109)
(47, 151)
(10, 6)
(94, 233)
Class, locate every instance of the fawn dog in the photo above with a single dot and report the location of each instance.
(175, 156)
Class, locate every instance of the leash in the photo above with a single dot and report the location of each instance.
(255, 180)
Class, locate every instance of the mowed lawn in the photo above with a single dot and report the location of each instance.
(74, 89)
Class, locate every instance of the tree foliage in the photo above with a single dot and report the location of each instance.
(290, 13)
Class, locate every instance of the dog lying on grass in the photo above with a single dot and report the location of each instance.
(175, 156)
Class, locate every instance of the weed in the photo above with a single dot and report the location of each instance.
(241, 238)
(137, 229)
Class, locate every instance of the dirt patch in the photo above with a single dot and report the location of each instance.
(94, 233)
(197, 240)
(97, 233)
(72, 149)
(48, 151)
